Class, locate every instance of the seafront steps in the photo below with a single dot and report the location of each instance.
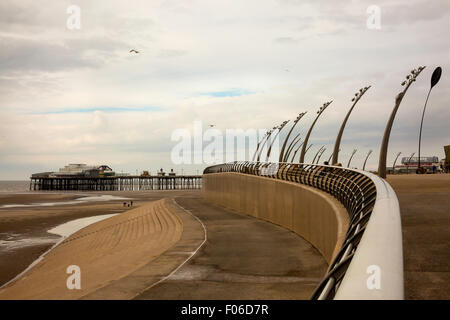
(107, 253)
(351, 217)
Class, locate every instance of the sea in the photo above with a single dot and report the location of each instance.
(14, 186)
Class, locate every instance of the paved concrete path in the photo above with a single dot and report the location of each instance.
(425, 211)
(242, 258)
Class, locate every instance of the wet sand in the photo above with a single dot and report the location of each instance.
(27, 226)
(105, 252)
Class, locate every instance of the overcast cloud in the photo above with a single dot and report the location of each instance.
(69, 96)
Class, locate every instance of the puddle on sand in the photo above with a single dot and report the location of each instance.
(64, 230)
(68, 228)
(105, 197)
(13, 241)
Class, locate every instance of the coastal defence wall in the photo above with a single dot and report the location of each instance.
(312, 214)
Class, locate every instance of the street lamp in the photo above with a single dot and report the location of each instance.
(351, 157)
(410, 78)
(291, 146)
(269, 133)
(409, 161)
(365, 161)
(317, 153)
(395, 161)
(309, 147)
(337, 144)
(281, 157)
(281, 126)
(329, 159)
(295, 153)
(320, 155)
(319, 112)
(434, 80)
(331, 155)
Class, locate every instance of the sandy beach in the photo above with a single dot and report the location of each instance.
(105, 252)
(23, 230)
(170, 245)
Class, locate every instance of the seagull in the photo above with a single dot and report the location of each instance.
(133, 50)
(212, 125)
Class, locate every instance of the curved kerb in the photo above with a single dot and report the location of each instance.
(369, 265)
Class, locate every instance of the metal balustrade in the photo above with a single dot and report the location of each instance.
(358, 191)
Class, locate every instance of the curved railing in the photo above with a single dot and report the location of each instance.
(369, 264)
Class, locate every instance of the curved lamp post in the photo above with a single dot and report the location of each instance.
(309, 147)
(281, 157)
(320, 155)
(317, 153)
(409, 161)
(291, 147)
(319, 112)
(367, 157)
(410, 78)
(351, 157)
(329, 159)
(295, 153)
(337, 144)
(259, 143)
(282, 125)
(434, 80)
(331, 155)
(395, 161)
(265, 141)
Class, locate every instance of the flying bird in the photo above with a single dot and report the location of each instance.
(212, 125)
(133, 50)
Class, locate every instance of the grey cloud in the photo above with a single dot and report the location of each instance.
(351, 13)
(19, 54)
(167, 53)
(411, 13)
(285, 40)
(31, 16)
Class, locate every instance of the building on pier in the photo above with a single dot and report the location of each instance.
(81, 177)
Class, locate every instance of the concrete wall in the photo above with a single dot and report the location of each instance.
(311, 213)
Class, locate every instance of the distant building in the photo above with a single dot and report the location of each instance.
(75, 168)
(171, 173)
(161, 173)
(79, 170)
(410, 164)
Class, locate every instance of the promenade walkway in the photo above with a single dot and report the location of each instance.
(425, 211)
(243, 258)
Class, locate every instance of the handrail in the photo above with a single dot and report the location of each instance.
(369, 265)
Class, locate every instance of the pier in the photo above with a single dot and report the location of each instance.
(114, 183)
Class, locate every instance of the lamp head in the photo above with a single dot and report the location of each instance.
(324, 106)
(436, 76)
(411, 77)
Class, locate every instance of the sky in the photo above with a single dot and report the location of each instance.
(71, 95)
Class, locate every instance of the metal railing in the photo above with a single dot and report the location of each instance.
(364, 196)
